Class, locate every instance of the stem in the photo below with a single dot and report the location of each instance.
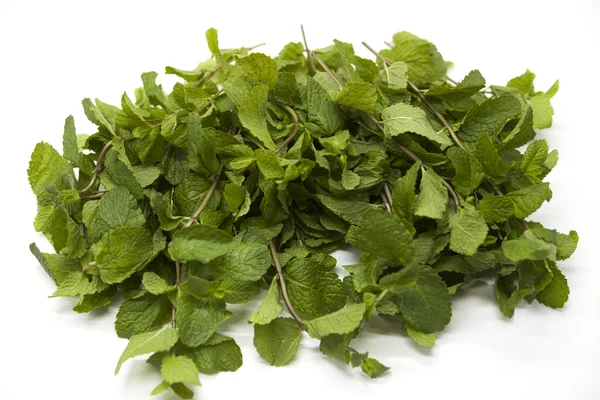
(88, 267)
(350, 349)
(388, 193)
(292, 135)
(208, 196)
(282, 286)
(99, 166)
(381, 296)
(388, 44)
(256, 46)
(311, 63)
(326, 68)
(92, 196)
(209, 75)
(452, 81)
(178, 273)
(209, 102)
(421, 96)
(386, 202)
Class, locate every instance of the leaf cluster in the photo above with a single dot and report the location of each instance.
(252, 170)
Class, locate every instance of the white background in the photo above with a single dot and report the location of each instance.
(54, 53)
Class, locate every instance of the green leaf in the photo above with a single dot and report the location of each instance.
(245, 262)
(468, 230)
(403, 193)
(96, 115)
(118, 208)
(469, 172)
(373, 368)
(425, 63)
(523, 83)
(179, 369)
(45, 167)
(348, 210)
(522, 133)
(259, 68)
(528, 248)
(556, 293)
(489, 117)
(73, 284)
(471, 84)
(395, 75)
(142, 314)
(496, 208)
(199, 243)
(324, 115)
(420, 338)
(253, 115)
(126, 250)
(433, 197)
(155, 284)
(313, 287)
(359, 95)
(423, 297)
(149, 342)
(566, 245)
(268, 164)
(534, 159)
(197, 319)
(527, 200)
(340, 322)
(270, 308)
(277, 342)
(220, 353)
(487, 154)
(385, 235)
(401, 118)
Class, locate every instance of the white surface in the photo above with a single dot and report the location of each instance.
(54, 53)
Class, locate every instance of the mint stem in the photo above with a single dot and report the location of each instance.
(99, 167)
(327, 69)
(283, 287)
(311, 63)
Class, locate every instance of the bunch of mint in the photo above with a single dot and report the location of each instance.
(249, 173)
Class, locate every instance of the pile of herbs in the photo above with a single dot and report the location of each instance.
(252, 170)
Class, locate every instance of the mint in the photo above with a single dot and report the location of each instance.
(236, 184)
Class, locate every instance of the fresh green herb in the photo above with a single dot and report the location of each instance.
(248, 174)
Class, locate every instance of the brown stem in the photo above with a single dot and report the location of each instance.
(282, 286)
(88, 267)
(388, 193)
(92, 196)
(327, 69)
(255, 47)
(178, 273)
(99, 167)
(208, 196)
(292, 135)
(311, 63)
(421, 96)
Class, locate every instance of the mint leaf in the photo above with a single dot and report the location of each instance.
(556, 293)
(269, 308)
(420, 338)
(339, 322)
(401, 118)
(277, 342)
(422, 296)
(488, 117)
(468, 230)
(433, 197)
(359, 95)
(253, 115)
(384, 235)
(142, 314)
(149, 342)
(220, 353)
(179, 369)
(324, 116)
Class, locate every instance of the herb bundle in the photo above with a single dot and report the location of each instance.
(246, 176)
